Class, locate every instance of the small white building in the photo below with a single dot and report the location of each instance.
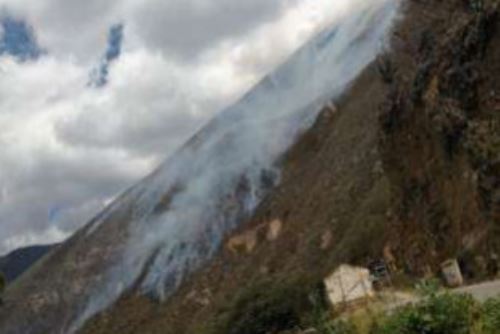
(348, 285)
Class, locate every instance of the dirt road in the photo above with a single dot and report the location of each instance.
(482, 291)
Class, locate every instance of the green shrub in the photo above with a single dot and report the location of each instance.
(438, 314)
(321, 319)
(266, 308)
(337, 327)
(428, 287)
(490, 317)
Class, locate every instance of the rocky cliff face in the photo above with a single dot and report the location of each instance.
(440, 138)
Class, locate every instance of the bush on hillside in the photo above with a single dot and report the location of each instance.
(439, 314)
(490, 317)
(267, 308)
(337, 327)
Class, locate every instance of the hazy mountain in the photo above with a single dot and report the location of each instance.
(18, 261)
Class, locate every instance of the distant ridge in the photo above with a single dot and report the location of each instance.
(18, 261)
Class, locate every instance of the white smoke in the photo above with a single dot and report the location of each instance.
(218, 178)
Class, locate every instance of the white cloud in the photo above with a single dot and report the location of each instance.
(68, 148)
(51, 235)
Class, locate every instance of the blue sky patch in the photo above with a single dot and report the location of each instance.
(99, 76)
(18, 39)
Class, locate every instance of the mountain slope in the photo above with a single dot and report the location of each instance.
(394, 170)
(321, 193)
(169, 225)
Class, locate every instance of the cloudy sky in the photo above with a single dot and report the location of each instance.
(94, 94)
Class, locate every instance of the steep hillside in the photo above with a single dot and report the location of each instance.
(321, 197)
(406, 164)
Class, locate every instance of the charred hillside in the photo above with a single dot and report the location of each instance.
(406, 165)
